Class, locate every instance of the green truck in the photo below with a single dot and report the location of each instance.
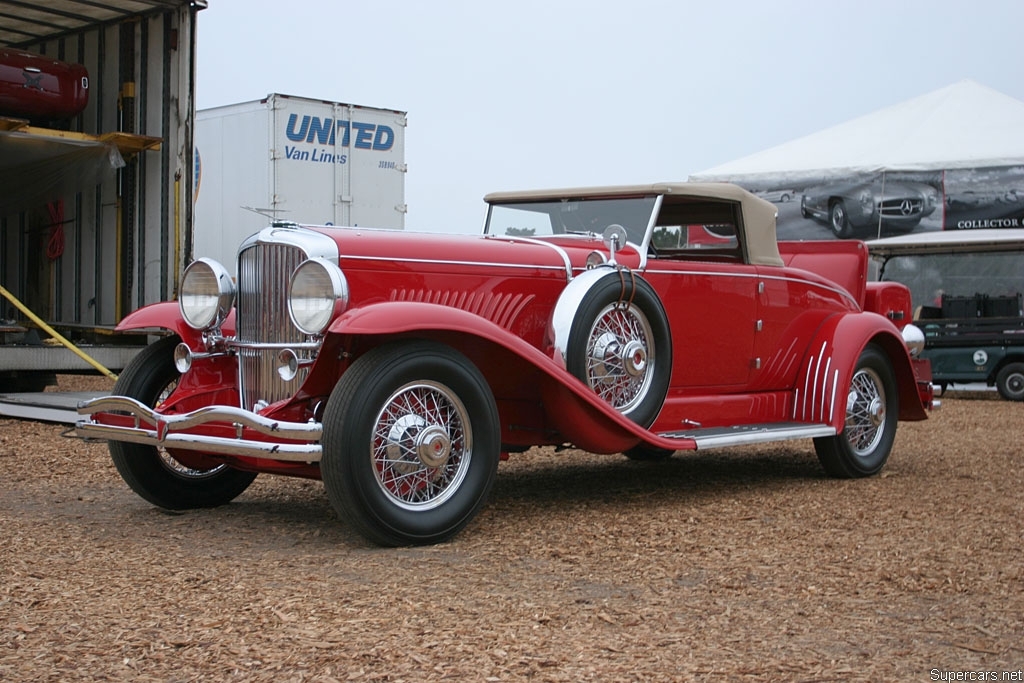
(967, 288)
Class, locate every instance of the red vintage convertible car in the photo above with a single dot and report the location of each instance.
(401, 367)
(36, 87)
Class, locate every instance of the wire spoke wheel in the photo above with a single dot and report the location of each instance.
(865, 412)
(620, 356)
(422, 445)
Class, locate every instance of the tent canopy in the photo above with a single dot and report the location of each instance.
(964, 125)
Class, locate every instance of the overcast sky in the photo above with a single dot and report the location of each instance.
(528, 94)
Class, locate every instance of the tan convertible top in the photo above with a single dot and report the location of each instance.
(758, 214)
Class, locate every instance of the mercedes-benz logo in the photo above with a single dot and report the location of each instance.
(906, 207)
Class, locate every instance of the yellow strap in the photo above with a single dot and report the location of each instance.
(56, 335)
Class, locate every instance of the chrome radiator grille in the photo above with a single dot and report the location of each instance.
(262, 317)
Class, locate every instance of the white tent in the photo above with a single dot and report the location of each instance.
(964, 125)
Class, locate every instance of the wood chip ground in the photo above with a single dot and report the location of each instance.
(744, 564)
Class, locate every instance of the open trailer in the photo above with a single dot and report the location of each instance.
(95, 205)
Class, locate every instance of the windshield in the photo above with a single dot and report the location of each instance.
(932, 276)
(576, 216)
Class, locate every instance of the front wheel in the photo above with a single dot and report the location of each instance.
(411, 443)
(839, 221)
(155, 473)
(872, 408)
(1010, 382)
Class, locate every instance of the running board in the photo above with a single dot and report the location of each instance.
(721, 437)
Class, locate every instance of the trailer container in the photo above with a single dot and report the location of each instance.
(95, 209)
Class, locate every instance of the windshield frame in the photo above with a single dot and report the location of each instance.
(589, 216)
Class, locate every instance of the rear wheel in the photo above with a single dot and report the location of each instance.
(154, 473)
(872, 407)
(1010, 382)
(411, 443)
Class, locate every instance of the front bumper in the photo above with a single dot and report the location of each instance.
(138, 423)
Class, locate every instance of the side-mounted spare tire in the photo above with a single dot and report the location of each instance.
(620, 346)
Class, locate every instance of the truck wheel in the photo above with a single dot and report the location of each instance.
(872, 409)
(619, 345)
(411, 443)
(839, 221)
(154, 473)
(1010, 382)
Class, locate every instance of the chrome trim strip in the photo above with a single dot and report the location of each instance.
(300, 431)
(838, 290)
(816, 380)
(561, 252)
(835, 387)
(391, 259)
(719, 273)
(231, 342)
(750, 434)
(649, 233)
(825, 410)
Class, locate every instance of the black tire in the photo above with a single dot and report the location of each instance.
(398, 408)
(863, 446)
(838, 220)
(631, 371)
(1010, 382)
(152, 472)
(803, 208)
(648, 454)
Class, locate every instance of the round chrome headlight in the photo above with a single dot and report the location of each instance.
(317, 293)
(207, 294)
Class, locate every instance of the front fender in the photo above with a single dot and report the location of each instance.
(167, 316)
(828, 368)
(578, 413)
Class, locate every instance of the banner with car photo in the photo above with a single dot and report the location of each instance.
(884, 204)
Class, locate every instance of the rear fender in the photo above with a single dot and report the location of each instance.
(827, 369)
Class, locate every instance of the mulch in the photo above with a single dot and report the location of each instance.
(740, 564)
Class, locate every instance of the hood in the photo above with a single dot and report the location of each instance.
(390, 250)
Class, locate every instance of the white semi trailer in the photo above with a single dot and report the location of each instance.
(295, 159)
